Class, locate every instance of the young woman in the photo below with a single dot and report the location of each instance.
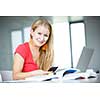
(36, 56)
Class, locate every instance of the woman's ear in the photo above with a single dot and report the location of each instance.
(31, 32)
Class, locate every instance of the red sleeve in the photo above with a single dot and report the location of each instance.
(21, 51)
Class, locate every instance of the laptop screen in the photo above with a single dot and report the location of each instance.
(84, 59)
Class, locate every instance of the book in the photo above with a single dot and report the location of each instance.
(62, 74)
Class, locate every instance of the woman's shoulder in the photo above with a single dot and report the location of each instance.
(23, 45)
(22, 49)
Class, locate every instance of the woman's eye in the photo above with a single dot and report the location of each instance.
(39, 33)
(46, 35)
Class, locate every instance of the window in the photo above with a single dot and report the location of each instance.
(26, 34)
(77, 40)
(16, 37)
(62, 55)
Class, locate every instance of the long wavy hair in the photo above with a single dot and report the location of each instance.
(47, 54)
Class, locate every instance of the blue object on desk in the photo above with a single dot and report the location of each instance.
(69, 71)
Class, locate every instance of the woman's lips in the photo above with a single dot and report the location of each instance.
(40, 41)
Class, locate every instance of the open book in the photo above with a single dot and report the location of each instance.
(64, 74)
(42, 78)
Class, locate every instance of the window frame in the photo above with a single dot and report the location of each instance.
(75, 22)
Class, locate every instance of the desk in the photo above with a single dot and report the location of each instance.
(92, 80)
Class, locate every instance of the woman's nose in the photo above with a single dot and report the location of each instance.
(42, 37)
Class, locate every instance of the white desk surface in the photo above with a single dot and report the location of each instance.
(92, 80)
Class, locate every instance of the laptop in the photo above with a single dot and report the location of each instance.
(84, 59)
(82, 65)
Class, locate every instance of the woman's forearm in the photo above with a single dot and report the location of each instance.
(21, 75)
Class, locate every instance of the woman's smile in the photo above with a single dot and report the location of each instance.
(40, 40)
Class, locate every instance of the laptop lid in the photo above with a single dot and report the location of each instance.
(84, 59)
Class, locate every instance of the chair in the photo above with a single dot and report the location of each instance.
(6, 75)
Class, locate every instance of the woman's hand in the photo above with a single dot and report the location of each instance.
(40, 72)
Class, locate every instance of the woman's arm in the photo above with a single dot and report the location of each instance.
(18, 66)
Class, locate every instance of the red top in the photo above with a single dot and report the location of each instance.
(25, 52)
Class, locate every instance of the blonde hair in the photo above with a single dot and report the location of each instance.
(46, 56)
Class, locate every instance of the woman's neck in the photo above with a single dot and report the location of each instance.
(35, 51)
(33, 47)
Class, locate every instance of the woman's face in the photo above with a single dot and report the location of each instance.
(40, 35)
